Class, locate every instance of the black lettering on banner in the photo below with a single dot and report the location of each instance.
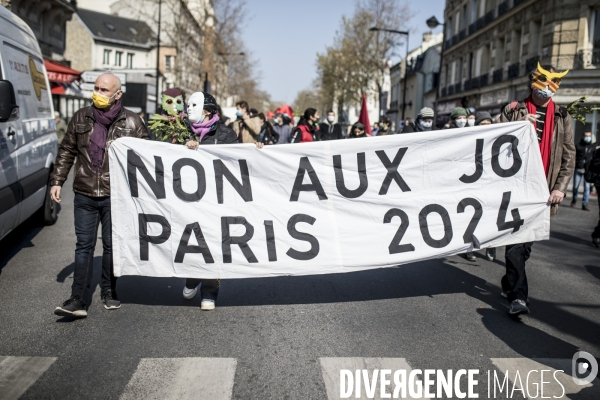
(134, 162)
(501, 222)
(242, 241)
(244, 189)
(145, 239)
(392, 170)
(395, 247)
(362, 175)
(271, 249)
(314, 243)
(469, 236)
(448, 234)
(517, 162)
(478, 164)
(315, 185)
(185, 248)
(200, 178)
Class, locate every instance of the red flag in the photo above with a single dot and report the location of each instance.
(364, 116)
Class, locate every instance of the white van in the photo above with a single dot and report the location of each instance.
(28, 143)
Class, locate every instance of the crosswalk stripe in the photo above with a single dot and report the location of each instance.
(17, 374)
(551, 386)
(331, 367)
(182, 378)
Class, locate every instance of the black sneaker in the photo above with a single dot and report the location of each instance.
(518, 307)
(71, 308)
(490, 253)
(110, 300)
(585, 208)
(469, 256)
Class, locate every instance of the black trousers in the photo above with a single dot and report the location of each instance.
(209, 288)
(596, 233)
(514, 282)
(89, 213)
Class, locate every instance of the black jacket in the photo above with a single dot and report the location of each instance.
(269, 135)
(584, 152)
(220, 134)
(330, 132)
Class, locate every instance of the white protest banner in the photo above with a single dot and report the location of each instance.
(234, 211)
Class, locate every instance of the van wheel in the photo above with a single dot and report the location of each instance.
(48, 213)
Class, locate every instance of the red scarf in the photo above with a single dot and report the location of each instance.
(547, 133)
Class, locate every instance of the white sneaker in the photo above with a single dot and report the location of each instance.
(207, 305)
(189, 294)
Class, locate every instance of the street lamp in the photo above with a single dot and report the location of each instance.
(433, 23)
(158, 56)
(376, 29)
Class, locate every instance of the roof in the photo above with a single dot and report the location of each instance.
(111, 28)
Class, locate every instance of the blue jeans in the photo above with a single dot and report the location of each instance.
(89, 213)
(577, 178)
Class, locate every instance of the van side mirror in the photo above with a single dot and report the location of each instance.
(9, 110)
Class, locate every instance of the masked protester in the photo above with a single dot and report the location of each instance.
(357, 131)
(307, 127)
(458, 118)
(483, 118)
(247, 125)
(423, 123)
(554, 128)
(592, 174)
(384, 127)
(375, 129)
(87, 139)
(207, 128)
(267, 134)
(282, 128)
(584, 152)
(471, 117)
(330, 130)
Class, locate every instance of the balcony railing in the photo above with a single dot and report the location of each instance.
(513, 70)
(588, 58)
(450, 90)
(462, 34)
(489, 17)
(498, 75)
(454, 39)
(447, 44)
(531, 64)
(503, 8)
(480, 23)
(443, 92)
(472, 28)
(517, 2)
(458, 88)
(483, 80)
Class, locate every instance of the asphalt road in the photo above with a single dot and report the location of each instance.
(287, 338)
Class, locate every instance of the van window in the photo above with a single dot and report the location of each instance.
(27, 74)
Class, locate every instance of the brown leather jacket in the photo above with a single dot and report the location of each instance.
(77, 144)
(562, 159)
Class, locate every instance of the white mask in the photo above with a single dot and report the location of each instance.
(195, 107)
(426, 124)
(460, 122)
(330, 118)
(471, 122)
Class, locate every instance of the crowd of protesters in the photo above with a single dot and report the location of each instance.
(563, 161)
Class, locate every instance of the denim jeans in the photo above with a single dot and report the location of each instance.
(577, 178)
(514, 282)
(89, 213)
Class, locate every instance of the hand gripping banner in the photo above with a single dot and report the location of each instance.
(235, 211)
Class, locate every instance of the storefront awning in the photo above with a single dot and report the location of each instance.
(67, 89)
(60, 73)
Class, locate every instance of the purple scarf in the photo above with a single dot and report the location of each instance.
(102, 121)
(203, 128)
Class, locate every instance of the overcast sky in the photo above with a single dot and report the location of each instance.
(285, 36)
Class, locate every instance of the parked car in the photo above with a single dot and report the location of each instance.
(28, 143)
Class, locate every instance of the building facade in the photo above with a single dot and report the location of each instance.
(491, 46)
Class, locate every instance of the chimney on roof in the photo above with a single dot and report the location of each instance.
(427, 36)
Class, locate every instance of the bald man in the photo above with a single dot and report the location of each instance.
(89, 134)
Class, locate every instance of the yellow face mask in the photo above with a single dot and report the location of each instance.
(546, 81)
(101, 101)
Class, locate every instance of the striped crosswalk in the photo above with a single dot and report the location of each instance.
(214, 378)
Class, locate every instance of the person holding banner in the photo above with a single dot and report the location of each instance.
(205, 123)
(89, 134)
(554, 128)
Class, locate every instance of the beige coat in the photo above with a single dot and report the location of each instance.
(247, 129)
(562, 158)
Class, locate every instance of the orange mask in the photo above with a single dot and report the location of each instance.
(545, 80)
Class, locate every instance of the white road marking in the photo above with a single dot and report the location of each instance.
(181, 379)
(331, 368)
(17, 374)
(552, 387)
